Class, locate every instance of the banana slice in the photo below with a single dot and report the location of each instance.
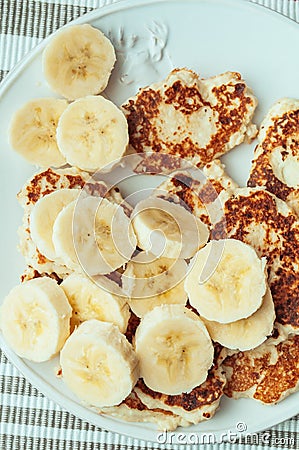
(227, 281)
(92, 133)
(43, 216)
(167, 229)
(78, 61)
(90, 300)
(33, 131)
(245, 334)
(174, 348)
(151, 282)
(94, 235)
(35, 319)
(98, 364)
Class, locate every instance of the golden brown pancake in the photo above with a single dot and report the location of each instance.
(43, 183)
(265, 222)
(190, 118)
(199, 191)
(199, 404)
(276, 158)
(268, 373)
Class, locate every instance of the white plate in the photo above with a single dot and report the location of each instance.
(209, 36)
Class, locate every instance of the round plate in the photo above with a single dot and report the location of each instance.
(152, 37)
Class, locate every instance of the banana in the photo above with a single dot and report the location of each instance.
(174, 348)
(33, 131)
(78, 61)
(92, 133)
(35, 319)
(227, 281)
(98, 364)
(149, 281)
(167, 229)
(245, 334)
(90, 300)
(94, 235)
(43, 216)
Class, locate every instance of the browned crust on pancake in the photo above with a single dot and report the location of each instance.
(277, 135)
(134, 402)
(31, 273)
(270, 380)
(207, 393)
(35, 190)
(241, 214)
(142, 111)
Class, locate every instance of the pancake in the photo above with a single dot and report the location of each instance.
(268, 373)
(198, 405)
(191, 118)
(276, 158)
(198, 191)
(133, 410)
(43, 183)
(265, 222)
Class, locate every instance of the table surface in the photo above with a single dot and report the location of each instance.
(29, 420)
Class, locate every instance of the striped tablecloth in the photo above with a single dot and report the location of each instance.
(29, 420)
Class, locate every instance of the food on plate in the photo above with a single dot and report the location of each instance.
(44, 183)
(98, 364)
(95, 300)
(200, 404)
(78, 61)
(167, 229)
(150, 281)
(276, 158)
(199, 191)
(43, 216)
(191, 118)
(225, 321)
(268, 373)
(133, 410)
(92, 236)
(33, 131)
(92, 133)
(265, 222)
(174, 349)
(35, 319)
(245, 334)
(226, 281)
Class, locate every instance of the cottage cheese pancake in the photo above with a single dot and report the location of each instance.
(44, 183)
(198, 191)
(276, 158)
(265, 222)
(191, 118)
(199, 404)
(268, 373)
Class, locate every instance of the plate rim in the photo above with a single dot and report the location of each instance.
(109, 423)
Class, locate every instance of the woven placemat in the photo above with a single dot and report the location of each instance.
(29, 420)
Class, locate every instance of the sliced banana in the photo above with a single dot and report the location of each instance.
(151, 282)
(227, 281)
(245, 334)
(43, 216)
(90, 300)
(35, 319)
(78, 61)
(167, 229)
(33, 131)
(174, 348)
(98, 364)
(92, 133)
(94, 235)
